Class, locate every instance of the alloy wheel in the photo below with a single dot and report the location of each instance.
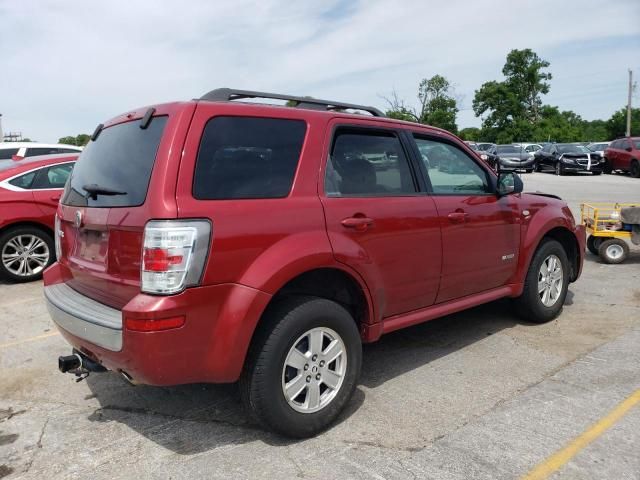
(314, 370)
(550, 280)
(25, 255)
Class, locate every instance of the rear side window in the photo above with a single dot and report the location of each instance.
(120, 160)
(34, 152)
(367, 163)
(7, 153)
(244, 157)
(24, 181)
(53, 177)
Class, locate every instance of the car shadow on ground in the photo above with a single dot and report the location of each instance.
(191, 419)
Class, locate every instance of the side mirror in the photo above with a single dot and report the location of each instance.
(508, 183)
(628, 149)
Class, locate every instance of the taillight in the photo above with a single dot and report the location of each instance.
(57, 234)
(173, 255)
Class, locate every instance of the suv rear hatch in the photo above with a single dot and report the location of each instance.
(123, 178)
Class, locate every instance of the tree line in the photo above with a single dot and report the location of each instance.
(512, 110)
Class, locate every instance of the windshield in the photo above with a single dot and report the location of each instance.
(568, 148)
(502, 149)
(120, 159)
(597, 147)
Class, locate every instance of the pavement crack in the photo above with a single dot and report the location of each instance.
(38, 446)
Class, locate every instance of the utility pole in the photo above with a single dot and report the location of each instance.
(629, 104)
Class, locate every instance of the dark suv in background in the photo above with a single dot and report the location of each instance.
(214, 241)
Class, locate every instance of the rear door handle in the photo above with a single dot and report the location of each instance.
(359, 224)
(458, 217)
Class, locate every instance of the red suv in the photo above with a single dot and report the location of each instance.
(216, 241)
(623, 154)
(29, 194)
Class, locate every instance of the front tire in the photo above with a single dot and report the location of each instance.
(25, 252)
(546, 284)
(607, 167)
(559, 169)
(303, 366)
(634, 170)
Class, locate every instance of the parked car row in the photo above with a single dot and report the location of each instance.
(622, 155)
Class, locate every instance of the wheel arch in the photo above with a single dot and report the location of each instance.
(561, 233)
(332, 283)
(28, 224)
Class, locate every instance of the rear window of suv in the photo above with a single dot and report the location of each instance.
(120, 159)
(247, 157)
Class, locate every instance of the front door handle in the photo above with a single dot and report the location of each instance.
(359, 224)
(458, 217)
(56, 198)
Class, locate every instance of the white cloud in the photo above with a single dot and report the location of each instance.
(68, 65)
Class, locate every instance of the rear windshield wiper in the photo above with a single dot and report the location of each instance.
(93, 190)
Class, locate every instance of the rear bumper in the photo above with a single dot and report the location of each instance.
(83, 317)
(210, 347)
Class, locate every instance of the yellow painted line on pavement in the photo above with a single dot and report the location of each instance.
(27, 340)
(561, 457)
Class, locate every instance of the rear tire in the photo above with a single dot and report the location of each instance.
(613, 251)
(25, 252)
(607, 167)
(596, 173)
(529, 170)
(559, 169)
(634, 169)
(546, 284)
(286, 357)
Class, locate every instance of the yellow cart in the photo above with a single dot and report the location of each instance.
(607, 236)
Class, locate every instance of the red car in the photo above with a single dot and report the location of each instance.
(623, 154)
(29, 194)
(216, 241)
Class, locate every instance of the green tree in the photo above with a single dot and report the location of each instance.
(437, 105)
(470, 133)
(511, 108)
(67, 140)
(82, 139)
(617, 124)
(595, 131)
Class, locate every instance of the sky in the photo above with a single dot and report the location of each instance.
(67, 65)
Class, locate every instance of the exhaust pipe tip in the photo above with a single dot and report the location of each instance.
(69, 362)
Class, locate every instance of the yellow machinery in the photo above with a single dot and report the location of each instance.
(607, 237)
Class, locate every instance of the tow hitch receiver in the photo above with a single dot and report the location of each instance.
(78, 364)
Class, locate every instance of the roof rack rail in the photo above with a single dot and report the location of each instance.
(228, 94)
